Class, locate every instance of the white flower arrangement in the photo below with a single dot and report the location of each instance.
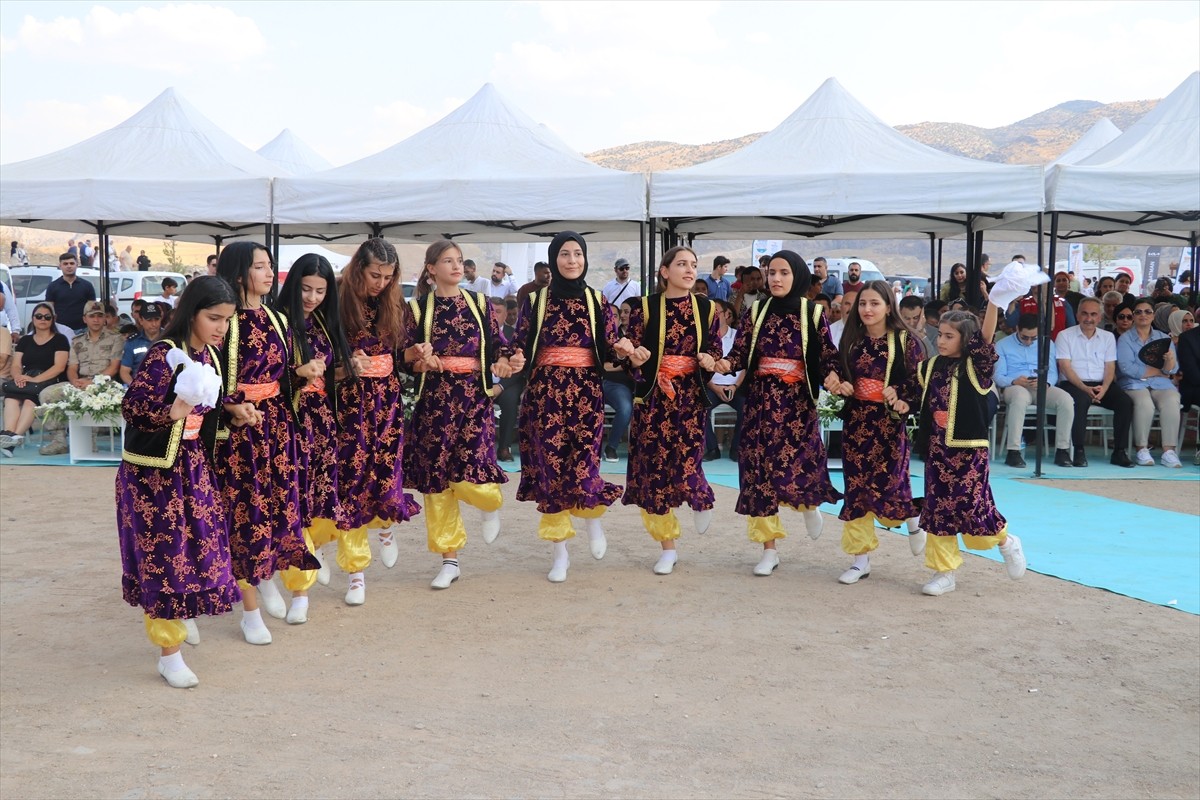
(829, 406)
(101, 400)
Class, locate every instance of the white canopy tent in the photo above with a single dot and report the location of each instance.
(486, 172)
(288, 253)
(834, 169)
(165, 171)
(1096, 137)
(290, 152)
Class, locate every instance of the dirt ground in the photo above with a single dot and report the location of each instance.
(618, 683)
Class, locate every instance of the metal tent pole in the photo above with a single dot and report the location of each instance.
(1045, 326)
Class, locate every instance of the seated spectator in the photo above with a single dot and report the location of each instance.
(700, 288)
(618, 389)
(1149, 387)
(1031, 303)
(94, 352)
(1162, 316)
(835, 310)
(1123, 282)
(39, 360)
(1122, 320)
(112, 320)
(1180, 320)
(956, 287)
(1103, 286)
(1188, 355)
(508, 401)
(912, 314)
(825, 302)
(835, 330)
(1016, 376)
(1164, 293)
(1062, 288)
(750, 289)
(138, 344)
(723, 389)
(1087, 369)
(1110, 300)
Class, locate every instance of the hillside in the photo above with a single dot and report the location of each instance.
(1037, 139)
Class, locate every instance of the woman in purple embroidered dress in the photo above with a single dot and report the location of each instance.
(565, 332)
(783, 343)
(257, 462)
(877, 354)
(677, 337)
(174, 537)
(370, 411)
(309, 298)
(958, 495)
(451, 449)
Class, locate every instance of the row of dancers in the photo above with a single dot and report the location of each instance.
(309, 444)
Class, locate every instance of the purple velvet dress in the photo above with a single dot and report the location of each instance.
(452, 433)
(781, 458)
(318, 440)
(371, 440)
(562, 414)
(875, 447)
(958, 494)
(258, 466)
(666, 436)
(175, 560)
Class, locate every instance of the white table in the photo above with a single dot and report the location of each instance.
(83, 430)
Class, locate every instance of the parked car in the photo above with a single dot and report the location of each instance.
(29, 284)
(869, 272)
(125, 287)
(409, 288)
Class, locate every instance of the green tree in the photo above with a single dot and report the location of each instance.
(173, 259)
(1100, 253)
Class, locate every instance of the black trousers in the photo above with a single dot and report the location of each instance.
(1114, 399)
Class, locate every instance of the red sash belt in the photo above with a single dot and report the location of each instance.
(314, 386)
(378, 366)
(191, 426)
(788, 370)
(257, 392)
(566, 357)
(674, 367)
(464, 365)
(868, 389)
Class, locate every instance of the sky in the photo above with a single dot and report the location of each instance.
(352, 78)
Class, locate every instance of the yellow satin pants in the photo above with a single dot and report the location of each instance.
(661, 527)
(165, 632)
(858, 535)
(558, 527)
(768, 529)
(941, 552)
(443, 521)
(301, 580)
(353, 548)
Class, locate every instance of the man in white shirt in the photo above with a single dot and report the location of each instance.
(1087, 367)
(621, 288)
(471, 280)
(501, 284)
(722, 389)
(835, 329)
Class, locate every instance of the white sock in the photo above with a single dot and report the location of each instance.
(913, 523)
(300, 601)
(560, 554)
(252, 619)
(669, 555)
(359, 576)
(450, 562)
(863, 562)
(173, 662)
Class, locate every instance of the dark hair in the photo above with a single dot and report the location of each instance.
(725, 305)
(68, 257)
(855, 331)
(956, 291)
(747, 270)
(291, 302)
(667, 258)
(720, 261)
(540, 265)
(822, 296)
(139, 304)
(170, 282)
(1017, 257)
(432, 254)
(1100, 279)
(234, 265)
(501, 265)
(211, 258)
(510, 302)
(1027, 321)
(12, 248)
(49, 307)
(764, 259)
(468, 262)
(935, 307)
(912, 301)
(109, 308)
(204, 292)
(389, 319)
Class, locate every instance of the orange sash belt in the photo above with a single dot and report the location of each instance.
(464, 365)
(378, 366)
(314, 386)
(674, 367)
(191, 426)
(788, 370)
(942, 418)
(257, 392)
(566, 357)
(869, 389)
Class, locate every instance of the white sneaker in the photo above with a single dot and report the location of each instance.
(916, 541)
(854, 575)
(1014, 557)
(255, 635)
(558, 572)
(180, 678)
(448, 575)
(388, 551)
(666, 563)
(193, 633)
(297, 615)
(323, 574)
(490, 525)
(942, 582)
(768, 564)
(356, 595)
(702, 520)
(1171, 459)
(597, 539)
(271, 600)
(814, 522)
(1144, 459)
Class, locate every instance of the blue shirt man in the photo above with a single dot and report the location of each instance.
(1016, 378)
(718, 287)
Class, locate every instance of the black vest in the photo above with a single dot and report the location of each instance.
(595, 304)
(653, 314)
(160, 448)
(895, 374)
(279, 322)
(422, 309)
(968, 414)
(809, 314)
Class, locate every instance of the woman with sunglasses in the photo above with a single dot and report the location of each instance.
(1149, 386)
(39, 360)
(1122, 320)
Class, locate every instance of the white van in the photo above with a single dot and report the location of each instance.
(29, 284)
(840, 266)
(125, 287)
